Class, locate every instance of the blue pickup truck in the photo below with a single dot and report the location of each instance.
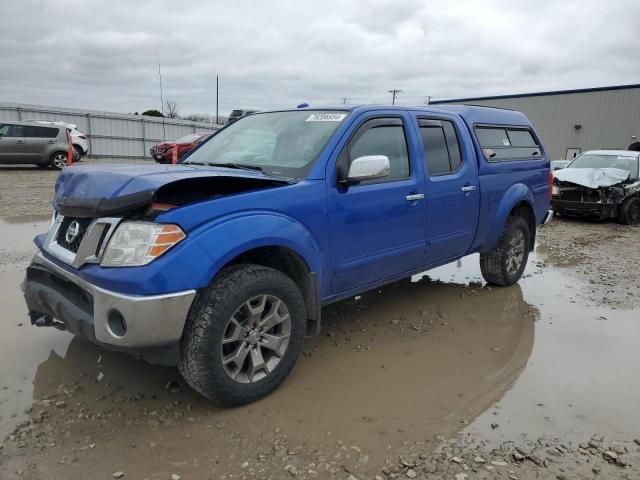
(223, 262)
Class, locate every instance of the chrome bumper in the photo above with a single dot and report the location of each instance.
(103, 316)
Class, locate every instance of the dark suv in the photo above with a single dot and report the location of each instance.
(33, 143)
(236, 114)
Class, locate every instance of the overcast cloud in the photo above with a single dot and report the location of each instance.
(103, 55)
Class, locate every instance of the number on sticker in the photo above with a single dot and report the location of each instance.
(326, 117)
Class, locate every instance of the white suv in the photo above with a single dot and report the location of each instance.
(79, 139)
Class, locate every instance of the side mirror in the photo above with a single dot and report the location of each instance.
(368, 167)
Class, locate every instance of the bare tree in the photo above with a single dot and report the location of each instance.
(171, 108)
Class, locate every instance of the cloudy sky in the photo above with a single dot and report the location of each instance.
(104, 54)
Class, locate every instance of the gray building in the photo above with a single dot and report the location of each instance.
(573, 121)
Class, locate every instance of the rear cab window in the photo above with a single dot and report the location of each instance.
(499, 143)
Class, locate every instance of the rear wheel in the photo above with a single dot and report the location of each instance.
(505, 263)
(243, 335)
(58, 160)
(629, 211)
(79, 153)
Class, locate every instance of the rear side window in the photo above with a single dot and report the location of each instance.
(505, 143)
(386, 140)
(441, 146)
(40, 132)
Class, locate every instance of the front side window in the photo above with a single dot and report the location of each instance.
(388, 140)
(507, 143)
(441, 146)
(283, 144)
(11, 130)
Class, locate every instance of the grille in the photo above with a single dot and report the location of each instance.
(74, 244)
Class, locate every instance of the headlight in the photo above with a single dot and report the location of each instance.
(555, 190)
(138, 243)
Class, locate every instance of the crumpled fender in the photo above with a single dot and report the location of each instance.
(230, 236)
(517, 193)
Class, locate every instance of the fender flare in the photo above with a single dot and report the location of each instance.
(231, 236)
(514, 195)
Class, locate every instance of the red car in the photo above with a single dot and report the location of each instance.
(163, 151)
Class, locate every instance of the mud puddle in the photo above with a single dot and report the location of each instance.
(580, 376)
(439, 355)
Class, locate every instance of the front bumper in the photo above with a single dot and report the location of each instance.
(57, 297)
(584, 209)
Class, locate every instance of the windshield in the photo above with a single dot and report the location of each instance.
(283, 144)
(188, 138)
(593, 160)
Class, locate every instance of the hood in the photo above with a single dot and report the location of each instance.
(592, 177)
(110, 189)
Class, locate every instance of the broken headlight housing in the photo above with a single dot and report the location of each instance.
(138, 243)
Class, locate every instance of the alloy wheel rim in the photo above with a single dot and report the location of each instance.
(256, 338)
(515, 253)
(60, 161)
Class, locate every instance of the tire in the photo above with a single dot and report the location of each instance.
(79, 153)
(629, 211)
(505, 263)
(233, 293)
(58, 160)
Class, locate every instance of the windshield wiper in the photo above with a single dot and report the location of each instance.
(239, 166)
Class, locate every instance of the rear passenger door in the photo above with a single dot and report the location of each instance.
(452, 195)
(39, 143)
(12, 143)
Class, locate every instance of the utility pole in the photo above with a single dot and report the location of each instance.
(164, 134)
(216, 99)
(393, 95)
(427, 100)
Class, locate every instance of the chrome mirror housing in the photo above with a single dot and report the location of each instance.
(368, 167)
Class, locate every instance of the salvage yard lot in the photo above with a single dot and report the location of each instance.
(537, 380)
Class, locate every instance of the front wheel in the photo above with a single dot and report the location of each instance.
(243, 335)
(629, 211)
(505, 263)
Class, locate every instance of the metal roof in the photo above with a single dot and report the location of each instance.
(538, 94)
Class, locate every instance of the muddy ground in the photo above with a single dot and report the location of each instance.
(439, 376)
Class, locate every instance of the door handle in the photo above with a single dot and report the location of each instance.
(19, 141)
(468, 188)
(51, 141)
(414, 196)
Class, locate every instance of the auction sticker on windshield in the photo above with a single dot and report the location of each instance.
(326, 117)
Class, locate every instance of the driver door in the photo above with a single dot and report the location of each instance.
(377, 227)
(12, 144)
